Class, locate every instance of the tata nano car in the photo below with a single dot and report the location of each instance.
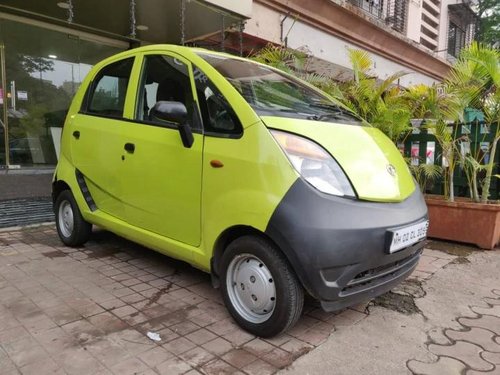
(244, 172)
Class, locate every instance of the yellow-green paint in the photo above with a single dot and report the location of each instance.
(169, 198)
(363, 152)
(255, 177)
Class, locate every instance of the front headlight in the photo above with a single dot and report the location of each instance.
(314, 164)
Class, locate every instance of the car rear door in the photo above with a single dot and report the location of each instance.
(97, 140)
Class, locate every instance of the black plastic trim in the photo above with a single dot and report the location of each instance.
(330, 240)
(82, 184)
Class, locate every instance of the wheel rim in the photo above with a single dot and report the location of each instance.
(251, 288)
(65, 219)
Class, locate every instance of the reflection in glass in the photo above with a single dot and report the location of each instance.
(43, 74)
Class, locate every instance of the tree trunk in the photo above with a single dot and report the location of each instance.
(452, 193)
(489, 171)
(475, 197)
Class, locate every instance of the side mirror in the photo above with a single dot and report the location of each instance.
(175, 112)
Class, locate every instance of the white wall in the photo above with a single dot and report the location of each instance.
(241, 7)
(414, 20)
(443, 28)
(265, 24)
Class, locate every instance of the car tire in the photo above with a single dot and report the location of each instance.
(259, 287)
(73, 230)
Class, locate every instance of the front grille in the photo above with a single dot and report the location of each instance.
(372, 277)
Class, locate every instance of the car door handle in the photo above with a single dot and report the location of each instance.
(76, 134)
(129, 147)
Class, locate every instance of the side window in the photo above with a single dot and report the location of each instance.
(108, 92)
(217, 114)
(164, 78)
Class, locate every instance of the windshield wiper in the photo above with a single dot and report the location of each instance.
(336, 112)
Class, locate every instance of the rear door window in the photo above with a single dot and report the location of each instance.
(108, 92)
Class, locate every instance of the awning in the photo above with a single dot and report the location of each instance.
(153, 21)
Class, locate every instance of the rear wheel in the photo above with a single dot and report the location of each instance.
(73, 230)
(259, 287)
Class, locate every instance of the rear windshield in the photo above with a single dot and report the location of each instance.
(272, 93)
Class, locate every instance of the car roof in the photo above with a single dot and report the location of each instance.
(182, 50)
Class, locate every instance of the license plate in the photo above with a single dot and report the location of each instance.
(407, 236)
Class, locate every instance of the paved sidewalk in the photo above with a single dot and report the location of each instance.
(88, 311)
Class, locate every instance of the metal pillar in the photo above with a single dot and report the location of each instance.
(222, 34)
(133, 23)
(183, 22)
(241, 28)
(70, 11)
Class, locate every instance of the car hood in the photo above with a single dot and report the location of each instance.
(365, 154)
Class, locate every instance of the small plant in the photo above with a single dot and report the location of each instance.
(379, 103)
(425, 174)
(440, 109)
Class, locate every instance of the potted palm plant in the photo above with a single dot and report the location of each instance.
(474, 81)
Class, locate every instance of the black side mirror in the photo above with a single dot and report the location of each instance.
(175, 112)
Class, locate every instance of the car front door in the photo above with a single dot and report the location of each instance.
(161, 180)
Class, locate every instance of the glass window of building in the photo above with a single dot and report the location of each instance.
(41, 76)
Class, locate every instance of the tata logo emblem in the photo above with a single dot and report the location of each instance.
(391, 170)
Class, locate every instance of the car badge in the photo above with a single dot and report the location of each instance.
(391, 170)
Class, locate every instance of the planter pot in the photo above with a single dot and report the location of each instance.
(464, 221)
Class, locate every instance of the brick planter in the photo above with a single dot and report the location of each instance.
(464, 221)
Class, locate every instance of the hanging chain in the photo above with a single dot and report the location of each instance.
(222, 33)
(133, 26)
(241, 28)
(183, 22)
(70, 11)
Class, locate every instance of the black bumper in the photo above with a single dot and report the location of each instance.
(337, 246)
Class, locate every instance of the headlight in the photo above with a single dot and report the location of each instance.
(314, 164)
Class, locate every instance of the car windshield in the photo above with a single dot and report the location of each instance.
(273, 93)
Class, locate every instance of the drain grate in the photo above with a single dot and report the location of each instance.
(17, 212)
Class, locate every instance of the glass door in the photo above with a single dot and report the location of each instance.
(41, 79)
(4, 154)
(42, 69)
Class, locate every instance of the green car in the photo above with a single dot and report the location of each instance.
(244, 172)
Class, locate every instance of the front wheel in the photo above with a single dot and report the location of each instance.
(73, 230)
(259, 288)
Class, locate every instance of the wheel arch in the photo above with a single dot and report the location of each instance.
(58, 186)
(231, 234)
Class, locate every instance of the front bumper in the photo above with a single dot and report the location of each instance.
(337, 246)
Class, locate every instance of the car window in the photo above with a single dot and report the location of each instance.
(109, 90)
(164, 78)
(218, 116)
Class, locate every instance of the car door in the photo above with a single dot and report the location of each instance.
(97, 135)
(162, 178)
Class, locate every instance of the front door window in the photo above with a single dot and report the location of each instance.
(165, 78)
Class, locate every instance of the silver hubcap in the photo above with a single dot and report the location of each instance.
(251, 288)
(65, 218)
